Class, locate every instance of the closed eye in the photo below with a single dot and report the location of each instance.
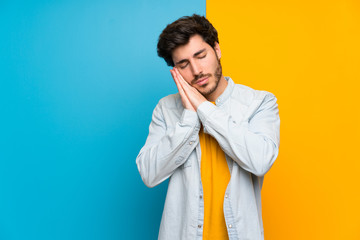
(184, 65)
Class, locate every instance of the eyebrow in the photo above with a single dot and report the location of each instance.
(195, 54)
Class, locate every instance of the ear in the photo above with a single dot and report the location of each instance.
(217, 49)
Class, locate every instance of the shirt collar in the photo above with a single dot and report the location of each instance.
(227, 92)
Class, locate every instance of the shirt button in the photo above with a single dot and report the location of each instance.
(230, 226)
(191, 142)
(200, 196)
(226, 196)
(199, 226)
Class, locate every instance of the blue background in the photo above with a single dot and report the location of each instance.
(78, 83)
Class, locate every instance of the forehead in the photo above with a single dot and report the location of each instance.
(195, 44)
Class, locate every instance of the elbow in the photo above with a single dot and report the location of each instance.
(262, 170)
(149, 181)
(266, 161)
(149, 184)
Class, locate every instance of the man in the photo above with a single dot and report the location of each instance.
(214, 140)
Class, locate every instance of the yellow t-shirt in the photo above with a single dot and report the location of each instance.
(215, 176)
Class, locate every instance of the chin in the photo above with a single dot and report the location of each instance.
(208, 90)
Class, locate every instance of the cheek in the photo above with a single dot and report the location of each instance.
(210, 64)
(215, 64)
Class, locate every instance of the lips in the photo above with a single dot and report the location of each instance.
(202, 81)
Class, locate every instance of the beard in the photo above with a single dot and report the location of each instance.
(206, 90)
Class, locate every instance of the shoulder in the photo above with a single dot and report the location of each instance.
(247, 95)
(169, 109)
(169, 102)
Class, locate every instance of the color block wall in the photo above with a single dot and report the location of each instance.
(307, 53)
(78, 84)
(79, 81)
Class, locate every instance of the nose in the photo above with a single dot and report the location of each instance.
(195, 68)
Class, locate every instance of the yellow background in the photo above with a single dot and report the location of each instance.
(307, 54)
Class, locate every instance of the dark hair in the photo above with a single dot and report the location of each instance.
(179, 32)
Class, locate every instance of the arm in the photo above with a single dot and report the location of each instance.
(167, 149)
(252, 142)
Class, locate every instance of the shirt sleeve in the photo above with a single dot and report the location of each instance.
(253, 141)
(167, 147)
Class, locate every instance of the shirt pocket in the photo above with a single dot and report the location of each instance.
(187, 163)
(191, 159)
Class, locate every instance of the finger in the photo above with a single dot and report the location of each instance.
(184, 97)
(185, 85)
(180, 77)
(181, 80)
(175, 77)
(178, 74)
(190, 92)
(194, 96)
(178, 85)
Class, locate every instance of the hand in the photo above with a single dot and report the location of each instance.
(185, 101)
(192, 94)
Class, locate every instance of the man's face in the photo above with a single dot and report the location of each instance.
(199, 64)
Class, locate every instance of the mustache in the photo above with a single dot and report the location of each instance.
(199, 77)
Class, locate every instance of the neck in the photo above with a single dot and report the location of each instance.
(218, 91)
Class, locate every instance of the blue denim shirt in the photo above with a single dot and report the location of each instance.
(246, 124)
